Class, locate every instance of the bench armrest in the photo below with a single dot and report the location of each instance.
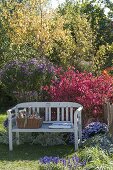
(78, 122)
(77, 113)
(11, 120)
(77, 117)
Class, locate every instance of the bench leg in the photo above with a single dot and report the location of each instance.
(80, 136)
(10, 141)
(76, 139)
(10, 131)
(76, 131)
(80, 128)
(17, 138)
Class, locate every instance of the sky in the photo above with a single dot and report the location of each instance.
(54, 3)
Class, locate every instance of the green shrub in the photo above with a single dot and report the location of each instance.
(96, 158)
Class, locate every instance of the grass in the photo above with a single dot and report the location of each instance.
(26, 156)
(2, 118)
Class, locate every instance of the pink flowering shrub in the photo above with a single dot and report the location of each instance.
(84, 88)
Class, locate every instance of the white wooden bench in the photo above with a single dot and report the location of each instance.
(65, 112)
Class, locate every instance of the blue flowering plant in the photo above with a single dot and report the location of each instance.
(90, 130)
(94, 128)
(24, 79)
(5, 123)
(56, 163)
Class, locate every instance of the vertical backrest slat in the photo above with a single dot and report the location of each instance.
(67, 109)
(33, 109)
(16, 112)
(37, 111)
(46, 114)
(62, 110)
(49, 113)
(58, 113)
(71, 114)
(29, 110)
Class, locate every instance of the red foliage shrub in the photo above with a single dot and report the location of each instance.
(84, 88)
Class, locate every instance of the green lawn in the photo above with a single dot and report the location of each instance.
(2, 118)
(25, 157)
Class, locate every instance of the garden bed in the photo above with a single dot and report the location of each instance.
(96, 152)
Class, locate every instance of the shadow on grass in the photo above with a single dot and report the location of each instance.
(33, 152)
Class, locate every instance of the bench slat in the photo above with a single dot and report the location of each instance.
(71, 114)
(37, 110)
(62, 110)
(46, 114)
(48, 104)
(33, 109)
(67, 113)
(49, 113)
(58, 113)
(29, 110)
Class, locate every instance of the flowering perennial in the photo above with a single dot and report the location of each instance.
(5, 123)
(94, 128)
(90, 130)
(70, 163)
(23, 79)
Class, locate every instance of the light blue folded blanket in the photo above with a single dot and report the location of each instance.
(61, 125)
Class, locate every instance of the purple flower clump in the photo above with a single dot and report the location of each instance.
(90, 130)
(94, 128)
(24, 80)
(72, 162)
(5, 123)
(26, 68)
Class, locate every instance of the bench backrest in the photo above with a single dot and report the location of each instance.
(63, 111)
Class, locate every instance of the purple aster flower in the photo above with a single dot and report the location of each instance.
(90, 130)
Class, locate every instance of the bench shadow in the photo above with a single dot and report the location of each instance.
(34, 152)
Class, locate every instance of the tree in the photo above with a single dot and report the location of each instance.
(24, 20)
(103, 58)
(101, 26)
(4, 38)
(35, 33)
(81, 33)
(100, 23)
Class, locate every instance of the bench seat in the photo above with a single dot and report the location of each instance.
(43, 128)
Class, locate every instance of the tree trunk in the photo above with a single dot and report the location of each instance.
(108, 116)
